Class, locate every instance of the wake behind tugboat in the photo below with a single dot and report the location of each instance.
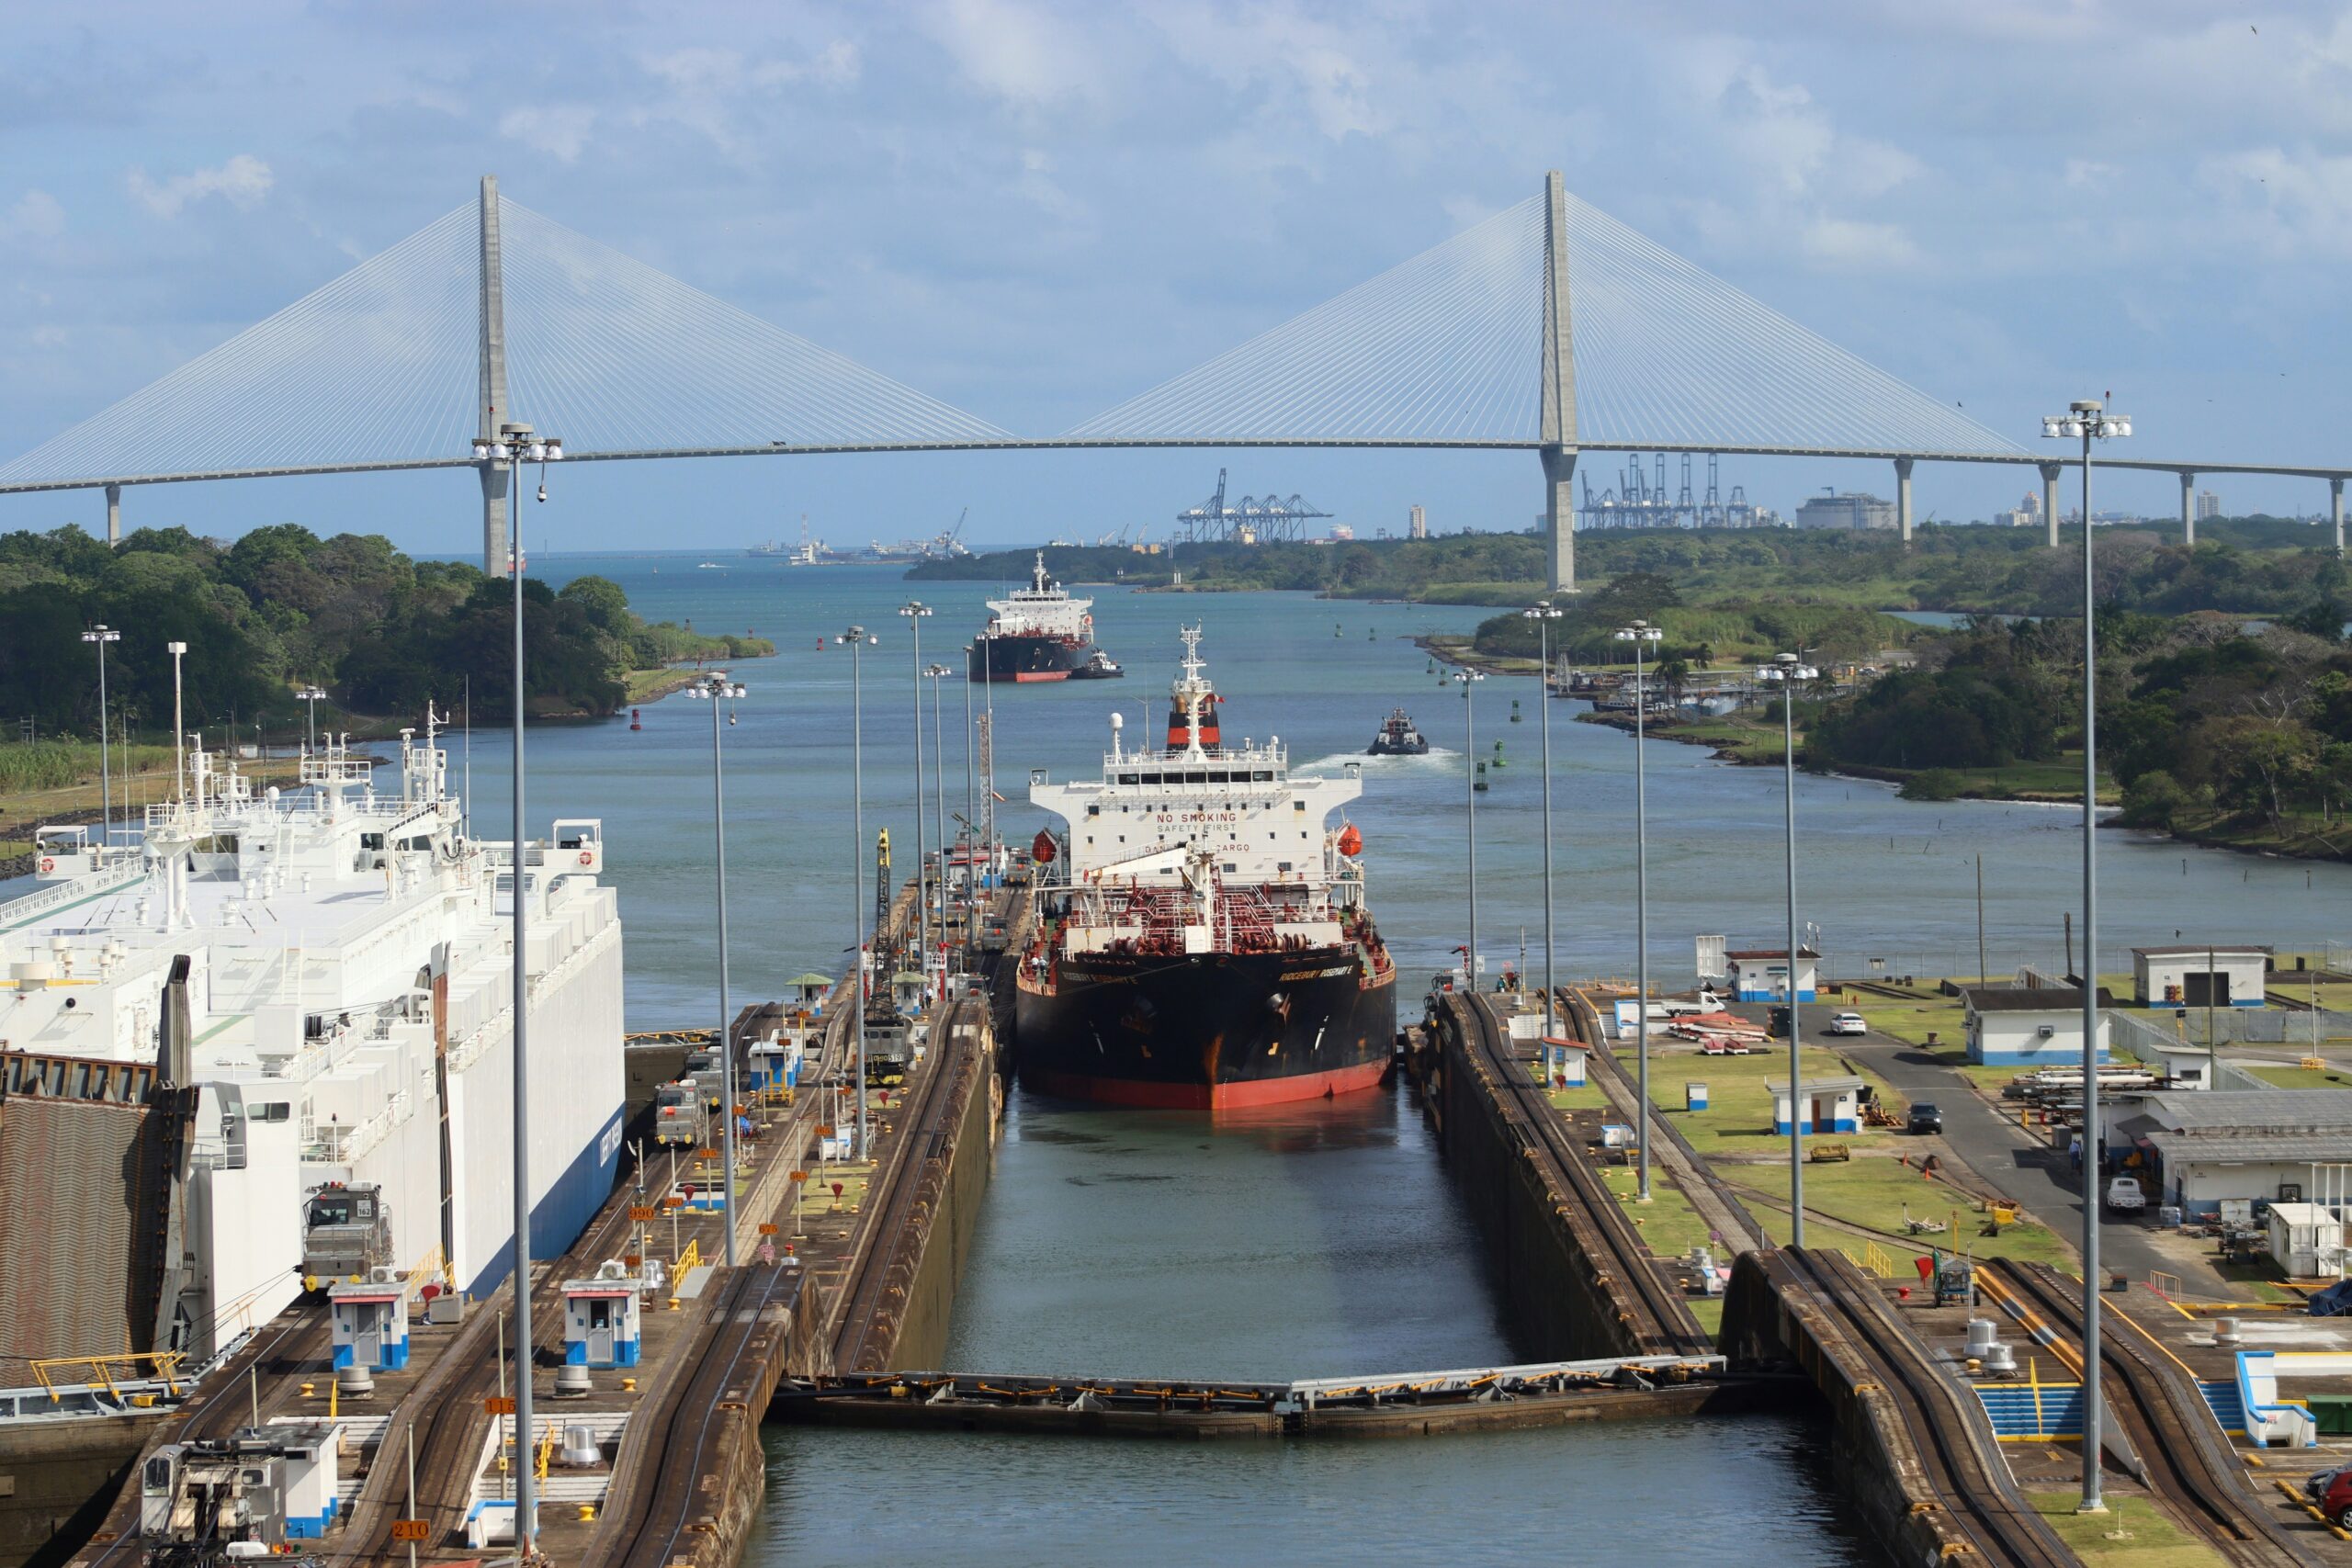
(1204, 940)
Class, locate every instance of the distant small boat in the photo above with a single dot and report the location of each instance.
(710, 565)
(1097, 667)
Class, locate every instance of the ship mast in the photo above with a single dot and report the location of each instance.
(1191, 689)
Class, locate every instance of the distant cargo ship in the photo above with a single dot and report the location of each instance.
(1203, 940)
(1039, 634)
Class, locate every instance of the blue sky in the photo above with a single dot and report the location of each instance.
(1034, 211)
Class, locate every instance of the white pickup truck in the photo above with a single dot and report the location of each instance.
(2124, 1195)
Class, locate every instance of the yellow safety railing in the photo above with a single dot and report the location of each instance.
(107, 1368)
(690, 1258)
(547, 1450)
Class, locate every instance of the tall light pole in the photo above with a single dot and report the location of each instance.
(1791, 667)
(311, 695)
(1544, 615)
(103, 634)
(715, 689)
(1643, 636)
(939, 788)
(857, 639)
(2085, 420)
(516, 444)
(970, 888)
(1468, 680)
(178, 650)
(916, 612)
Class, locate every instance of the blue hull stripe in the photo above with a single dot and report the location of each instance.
(559, 1218)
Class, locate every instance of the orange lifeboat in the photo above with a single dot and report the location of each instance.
(1350, 841)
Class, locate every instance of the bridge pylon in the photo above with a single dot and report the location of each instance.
(1558, 427)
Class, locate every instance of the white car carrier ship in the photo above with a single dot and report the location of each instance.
(318, 982)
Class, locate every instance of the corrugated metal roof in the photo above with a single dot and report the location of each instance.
(2029, 999)
(2284, 1110)
(2254, 1147)
(2198, 949)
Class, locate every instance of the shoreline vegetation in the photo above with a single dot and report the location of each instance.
(275, 611)
(2225, 681)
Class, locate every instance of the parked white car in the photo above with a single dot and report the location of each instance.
(1846, 1023)
(2123, 1194)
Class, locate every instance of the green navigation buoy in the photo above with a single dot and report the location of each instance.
(1481, 783)
(1500, 762)
(1514, 713)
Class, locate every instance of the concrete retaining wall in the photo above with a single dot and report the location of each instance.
(58, 1479)
(1555, 1307)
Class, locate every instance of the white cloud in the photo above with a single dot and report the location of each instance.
(1018, 53)
(34, 216)
(560, 130)
(2089, 174)
(245, 181)
(2297, 205)
(1855, 245)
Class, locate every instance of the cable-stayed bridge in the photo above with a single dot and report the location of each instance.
(1549, 328)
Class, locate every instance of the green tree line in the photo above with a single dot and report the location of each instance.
(281, 607)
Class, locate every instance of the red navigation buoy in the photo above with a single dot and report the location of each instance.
(636, 719)
(1350, 841)
(820, 645)
(1041, 849)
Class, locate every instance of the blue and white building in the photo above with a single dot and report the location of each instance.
(1761, 973)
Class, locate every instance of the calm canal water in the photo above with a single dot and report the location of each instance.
(1320, 1241)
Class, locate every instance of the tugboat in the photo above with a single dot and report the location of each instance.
(1203, 940)
(1039, 634)
(1099, 666)
(1397, 738)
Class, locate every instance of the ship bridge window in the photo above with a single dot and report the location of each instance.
(1095, 811)
(1298, 805)
(1154, 778)
(1230, 867)
(1130, 778)
(275, 1110)
(1262, 775)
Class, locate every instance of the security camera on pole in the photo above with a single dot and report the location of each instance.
(2087, 421)
(1642, 637)
(1468, 680)
(516, 444)
(1544, 615)
(101, 636)
(857, 640)
(715, 689)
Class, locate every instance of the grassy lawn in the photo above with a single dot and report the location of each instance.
(2131, 1531)
(1738, 1118)
(2300, 1078)
(1922, 1011)
(1875, 1193)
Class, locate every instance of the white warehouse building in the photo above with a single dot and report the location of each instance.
(2229, 975)
(2206, 1146)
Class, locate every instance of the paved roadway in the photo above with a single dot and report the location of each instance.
(2002, 1154)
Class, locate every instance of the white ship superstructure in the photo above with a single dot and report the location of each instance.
(348, 1010)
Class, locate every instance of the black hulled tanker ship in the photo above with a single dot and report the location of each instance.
(1039, 634)
(1202, 937)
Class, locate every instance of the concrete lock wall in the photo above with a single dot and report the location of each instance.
(1556, 1310)
(1870, 1450)
(61, 1478)
(944, 1235)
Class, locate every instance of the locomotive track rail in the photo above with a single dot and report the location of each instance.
(1657, 1318)
(2189, 1465)
(298, 1335)
(1949, 1431)
(665, 1493)
(447, 1410)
